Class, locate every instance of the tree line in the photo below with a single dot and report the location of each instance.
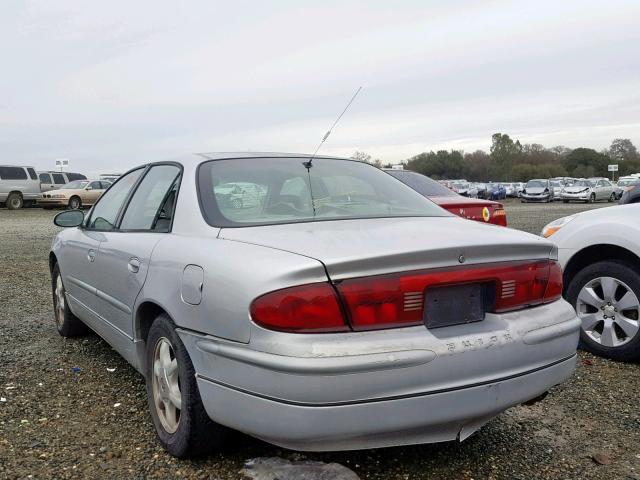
(509, 160)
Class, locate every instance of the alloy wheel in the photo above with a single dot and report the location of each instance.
(167, 397)
(609, 311)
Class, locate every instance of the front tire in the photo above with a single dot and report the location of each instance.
(612, 198)
(182, 424)
(67, 323)
(606, 296)
(75, 203)
(592, 198)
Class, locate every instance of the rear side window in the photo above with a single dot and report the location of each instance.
(58, 179)
(105, 212)
(105, 185)
(13, 173)
(32, 174)
(75, 176)
(45, 178)
(151, 206)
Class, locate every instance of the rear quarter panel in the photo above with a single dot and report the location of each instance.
(234, 274)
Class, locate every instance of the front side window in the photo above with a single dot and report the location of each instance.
(45, 178)
(58, 179)
(152, 203)
(262, 191)
(12, 173)
(76, 185)
(105, 212)
(75, 176)
(95, 186)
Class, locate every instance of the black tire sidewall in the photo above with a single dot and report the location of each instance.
(196, 433)
(629, 351)
(10, 200)
(72, 200)
(71, 326)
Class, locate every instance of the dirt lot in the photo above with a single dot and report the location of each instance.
(63, 414)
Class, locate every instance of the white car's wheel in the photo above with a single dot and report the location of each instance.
(606, 296)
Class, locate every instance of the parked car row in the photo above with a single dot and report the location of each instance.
(24, 186)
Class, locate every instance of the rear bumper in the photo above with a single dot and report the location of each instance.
(384, 388)
(425, 418)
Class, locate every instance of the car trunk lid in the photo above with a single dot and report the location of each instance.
(362, 247)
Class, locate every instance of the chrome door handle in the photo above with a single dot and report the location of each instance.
(133, 265)
(91, 255)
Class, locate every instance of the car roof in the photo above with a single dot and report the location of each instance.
(240, 155)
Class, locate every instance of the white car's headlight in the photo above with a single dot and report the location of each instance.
(556, 225)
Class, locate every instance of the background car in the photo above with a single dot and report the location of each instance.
(356, 315)
(631, 194)
(589, 190)
(471, 209)
(19, 186)
(50, 180)
(537, 190)
(557, 186)
(599, 251)
(74, 195)
(626, 184)
(496, 191)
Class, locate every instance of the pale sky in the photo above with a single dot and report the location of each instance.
(110, 85)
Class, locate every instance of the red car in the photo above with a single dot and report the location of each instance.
(484, 211)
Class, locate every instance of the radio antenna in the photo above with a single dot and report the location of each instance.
(326, 135)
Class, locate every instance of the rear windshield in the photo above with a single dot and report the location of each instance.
(263, 191)
(422, 184)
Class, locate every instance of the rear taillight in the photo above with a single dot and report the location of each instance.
(397, 300)
(307, 308)
(499, 217)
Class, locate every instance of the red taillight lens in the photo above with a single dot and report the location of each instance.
(554, 284)
(307, 308)
(499, 217)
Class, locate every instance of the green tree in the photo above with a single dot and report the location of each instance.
(586, 162)
(366, 158)
(504, 154)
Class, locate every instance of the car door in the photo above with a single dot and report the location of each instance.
(91, 193)
(607, 189)
(80, 249)
(124, 255)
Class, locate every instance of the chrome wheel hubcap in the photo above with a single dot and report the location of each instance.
(60, 302)
(609, 311)
(166, 385)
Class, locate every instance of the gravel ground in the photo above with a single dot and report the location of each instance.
(63, 414)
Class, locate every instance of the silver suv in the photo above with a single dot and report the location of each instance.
(51, 180)
(19, 186)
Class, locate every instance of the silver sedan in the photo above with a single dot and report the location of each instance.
(334, 309)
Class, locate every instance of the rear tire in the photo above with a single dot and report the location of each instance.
(592, 198)
(14, 201)
(593, 338)
(171, 383)
(565, 201)
(67, 323)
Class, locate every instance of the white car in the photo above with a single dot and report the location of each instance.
(599, 251)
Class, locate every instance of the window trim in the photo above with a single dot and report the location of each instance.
(123, 208)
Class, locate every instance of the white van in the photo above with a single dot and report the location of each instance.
(51, 180)
(19, 186)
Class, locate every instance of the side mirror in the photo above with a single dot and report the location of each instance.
(69, 218)
(89, 188)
